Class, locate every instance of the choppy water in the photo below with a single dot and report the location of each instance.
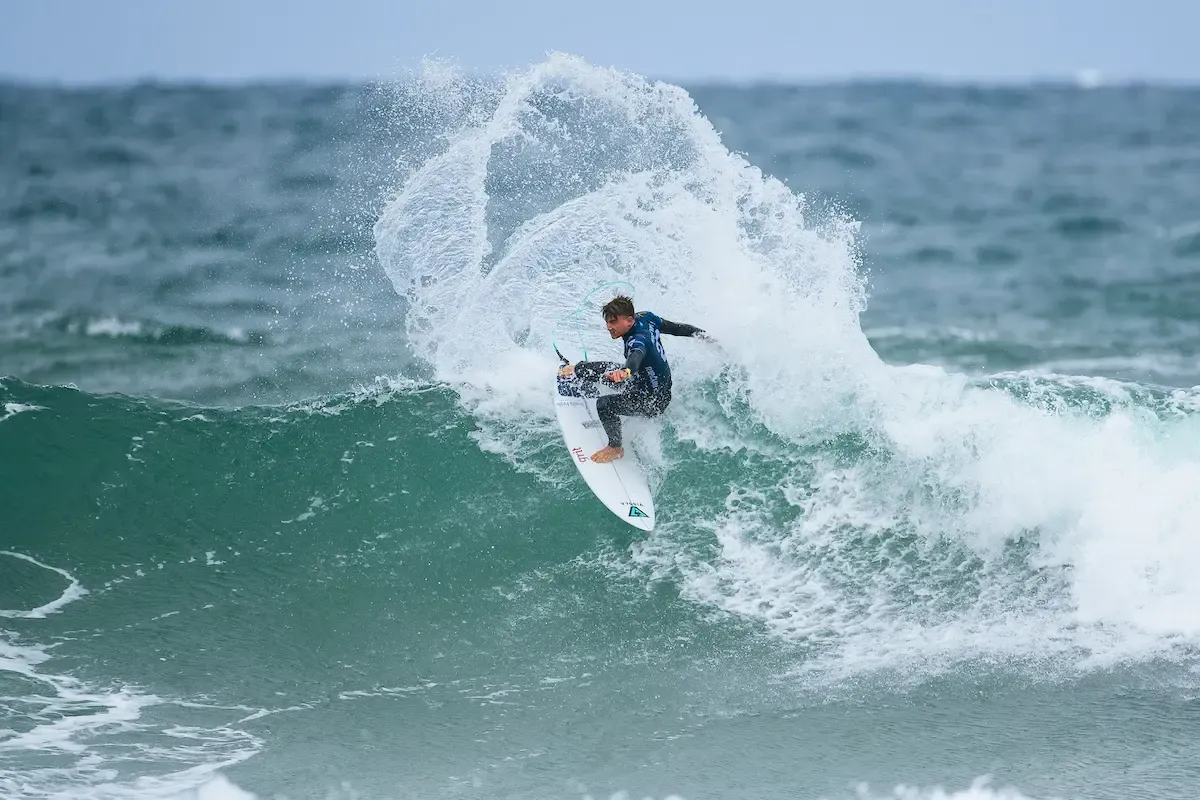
(283, 512)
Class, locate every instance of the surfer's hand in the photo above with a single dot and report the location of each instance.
(566, 370)
(617, 375)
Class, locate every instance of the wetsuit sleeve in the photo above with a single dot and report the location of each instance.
(678, 328)
(634, 361)
(637, 352)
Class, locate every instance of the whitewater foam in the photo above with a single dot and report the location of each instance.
(220, 788)
(617, 179)
(980, 789)
(12, 409)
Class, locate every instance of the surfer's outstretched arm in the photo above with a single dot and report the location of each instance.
(679, 328)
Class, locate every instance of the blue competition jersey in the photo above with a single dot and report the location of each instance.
(654, 374)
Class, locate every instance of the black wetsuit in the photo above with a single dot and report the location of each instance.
(647, 391)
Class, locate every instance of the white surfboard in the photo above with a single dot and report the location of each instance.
(620, 485)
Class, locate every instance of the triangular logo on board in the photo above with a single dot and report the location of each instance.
(634, 511)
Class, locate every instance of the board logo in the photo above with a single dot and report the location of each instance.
(578, 451)
(634, 511)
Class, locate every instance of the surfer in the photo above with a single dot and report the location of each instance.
(645, 375)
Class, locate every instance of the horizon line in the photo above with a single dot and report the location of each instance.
(1082, 79)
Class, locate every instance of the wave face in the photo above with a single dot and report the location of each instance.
(896, 547)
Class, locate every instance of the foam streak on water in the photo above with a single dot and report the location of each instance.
(73, 591)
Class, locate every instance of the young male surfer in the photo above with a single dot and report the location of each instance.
(646, 376)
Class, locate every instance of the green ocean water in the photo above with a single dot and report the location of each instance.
(284, 511)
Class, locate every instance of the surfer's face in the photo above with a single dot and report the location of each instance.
(618, 326)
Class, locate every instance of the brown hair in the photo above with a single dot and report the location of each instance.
(619, 306)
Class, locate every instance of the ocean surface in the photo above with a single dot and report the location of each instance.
(284, 512)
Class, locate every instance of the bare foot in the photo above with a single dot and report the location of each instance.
(608, 454)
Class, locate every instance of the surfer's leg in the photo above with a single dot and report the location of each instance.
(655, 404)
(609, 408)
(594, 370)
(612, 407)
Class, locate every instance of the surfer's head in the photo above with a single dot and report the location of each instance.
(618, 316)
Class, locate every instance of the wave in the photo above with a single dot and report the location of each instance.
(826, 520)
(870, 517)
(867, 517)
(150, 331)
(867, 520)
(1042, 520)
(879, 514)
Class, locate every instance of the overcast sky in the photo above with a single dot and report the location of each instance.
(218, 40)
